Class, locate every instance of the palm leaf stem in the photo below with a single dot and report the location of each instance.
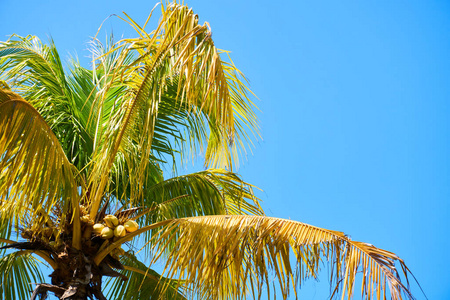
(146, 274)
(98, 195)
(6, 241)
(42, 254)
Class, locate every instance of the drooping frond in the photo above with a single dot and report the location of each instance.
(208, 86)
(18, 271)
(34, 70)
(142, 283)
(35, 174)
(230, 256)
(180, 51)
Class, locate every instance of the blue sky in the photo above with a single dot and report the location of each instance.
(354, 99)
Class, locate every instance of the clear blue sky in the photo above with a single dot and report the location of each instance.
(355, 103)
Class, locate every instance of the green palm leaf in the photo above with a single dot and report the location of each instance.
(6, 226)
(19, 270)
(35, 71)
(142, 283)
(209, 192)
(33, 68)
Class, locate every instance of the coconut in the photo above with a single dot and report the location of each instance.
(97, 228)
(87, 219)
(107, 233)
(120, 231)
(111, 221)
(131, 225)
(83, 210)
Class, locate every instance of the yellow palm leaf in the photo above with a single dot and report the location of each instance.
(228, 256)
(36, 176)
(179, 51)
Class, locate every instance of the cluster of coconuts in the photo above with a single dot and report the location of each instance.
(84, 216)
(113, 228)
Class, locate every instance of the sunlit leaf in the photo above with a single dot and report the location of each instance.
(35, 174)
(231, 256)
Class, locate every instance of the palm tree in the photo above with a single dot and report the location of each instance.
(82, 155)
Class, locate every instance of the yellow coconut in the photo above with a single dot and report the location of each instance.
(83, 210)
(107, 233)
(97, 228)
(111, 221)
(87, 219)
(131, 225)
(120, 231)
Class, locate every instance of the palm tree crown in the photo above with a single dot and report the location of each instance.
(82, 188)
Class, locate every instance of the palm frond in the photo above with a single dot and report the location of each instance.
(35, 174)
(35, 71)
(177, 127)
(6, 226)
(123, 176)
(231, 255)
(142, 283)
(211, 86)
(33, 68)
(210, 192)
(18, 271)
(179, 49)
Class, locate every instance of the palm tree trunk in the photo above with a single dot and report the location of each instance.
(76, 278)
(73, 292)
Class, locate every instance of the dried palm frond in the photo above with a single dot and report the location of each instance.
(230, 256)
(35, 173)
